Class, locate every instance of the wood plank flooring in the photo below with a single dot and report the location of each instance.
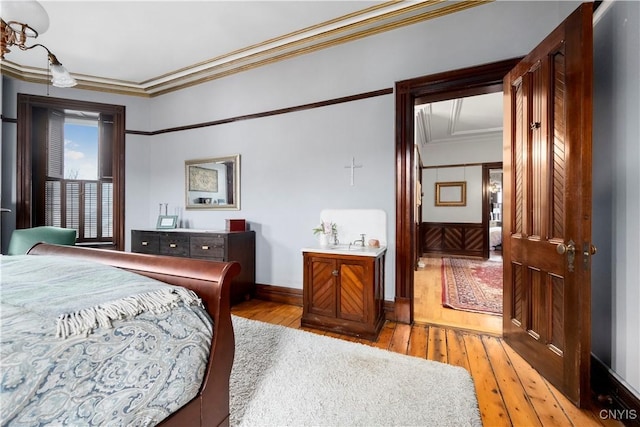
(510, 392)
(427, 303)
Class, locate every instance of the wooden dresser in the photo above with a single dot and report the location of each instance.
(225, 246)
(344, 293)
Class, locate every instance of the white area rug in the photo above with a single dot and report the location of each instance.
(288, 377)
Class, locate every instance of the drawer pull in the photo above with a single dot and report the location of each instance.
(205, 247)
(173, 245)
(145, 243)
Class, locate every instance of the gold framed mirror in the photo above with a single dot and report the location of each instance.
(213, 183)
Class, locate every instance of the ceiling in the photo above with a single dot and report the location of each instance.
(149, 48)
(470, 118)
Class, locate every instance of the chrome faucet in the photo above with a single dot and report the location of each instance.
(359, 242)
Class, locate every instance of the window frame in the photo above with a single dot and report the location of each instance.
(26, 193)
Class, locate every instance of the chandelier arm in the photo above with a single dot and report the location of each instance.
(52, 58)
(35, 45)
(7, 39)
(15, 37)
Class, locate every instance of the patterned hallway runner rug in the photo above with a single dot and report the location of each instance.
(472, 285)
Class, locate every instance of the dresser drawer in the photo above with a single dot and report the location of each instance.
(223, 246)
(145, 242)
(174, 245)
(208, 247)
(212, 240)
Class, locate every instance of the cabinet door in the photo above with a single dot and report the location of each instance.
(322, 286)
(353, 277)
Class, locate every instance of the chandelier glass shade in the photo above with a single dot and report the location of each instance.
(16, 12)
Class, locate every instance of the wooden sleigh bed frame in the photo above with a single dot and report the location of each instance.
(211, 281)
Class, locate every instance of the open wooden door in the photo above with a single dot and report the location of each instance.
(547, 215)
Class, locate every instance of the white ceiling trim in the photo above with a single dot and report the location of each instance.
(456, 107)
(456, 110)
(456, 119)
(370, 21)
(469, 119)
(480, 137)
(423, 124)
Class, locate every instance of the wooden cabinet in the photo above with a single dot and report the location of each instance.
(224, 246)
(344, 293)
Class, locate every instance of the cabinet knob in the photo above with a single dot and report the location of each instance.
(145, 243)
(334, 272)
(173, 245)
(205, 247)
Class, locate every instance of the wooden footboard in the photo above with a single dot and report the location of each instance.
(211, 281)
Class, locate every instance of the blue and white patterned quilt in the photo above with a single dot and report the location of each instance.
(77, 349)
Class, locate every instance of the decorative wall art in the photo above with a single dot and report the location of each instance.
(451, 193)
(203, 179)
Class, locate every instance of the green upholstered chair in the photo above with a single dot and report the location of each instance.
(23, 239)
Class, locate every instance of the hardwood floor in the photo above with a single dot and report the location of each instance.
(510, 392)
(427, 300)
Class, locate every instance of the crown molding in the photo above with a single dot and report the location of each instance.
(374, 20)
(424, 122)
(475, 137)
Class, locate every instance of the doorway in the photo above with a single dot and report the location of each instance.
(458, 280)
(493, 206)
(471, 81)
(547, 154)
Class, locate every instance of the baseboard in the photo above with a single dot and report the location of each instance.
(616, 400)
(279, 294)
(402, 310)
(390, 311)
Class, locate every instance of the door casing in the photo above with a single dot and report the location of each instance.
(470, 81)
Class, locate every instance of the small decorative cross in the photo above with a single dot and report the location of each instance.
(353, 166)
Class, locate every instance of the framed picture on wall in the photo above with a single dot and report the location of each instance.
(451, 193)
(203, 179)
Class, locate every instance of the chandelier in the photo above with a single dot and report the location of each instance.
(16, 32)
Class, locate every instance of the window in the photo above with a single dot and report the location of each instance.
(78, 191)
(71, 168)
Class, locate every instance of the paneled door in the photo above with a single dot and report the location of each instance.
(547, 215)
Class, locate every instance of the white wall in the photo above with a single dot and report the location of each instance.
(471, 213)
(293, 165)
(616, 191)
(482, 150)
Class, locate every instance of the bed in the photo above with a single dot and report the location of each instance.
(146, 354)
(495, 238)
